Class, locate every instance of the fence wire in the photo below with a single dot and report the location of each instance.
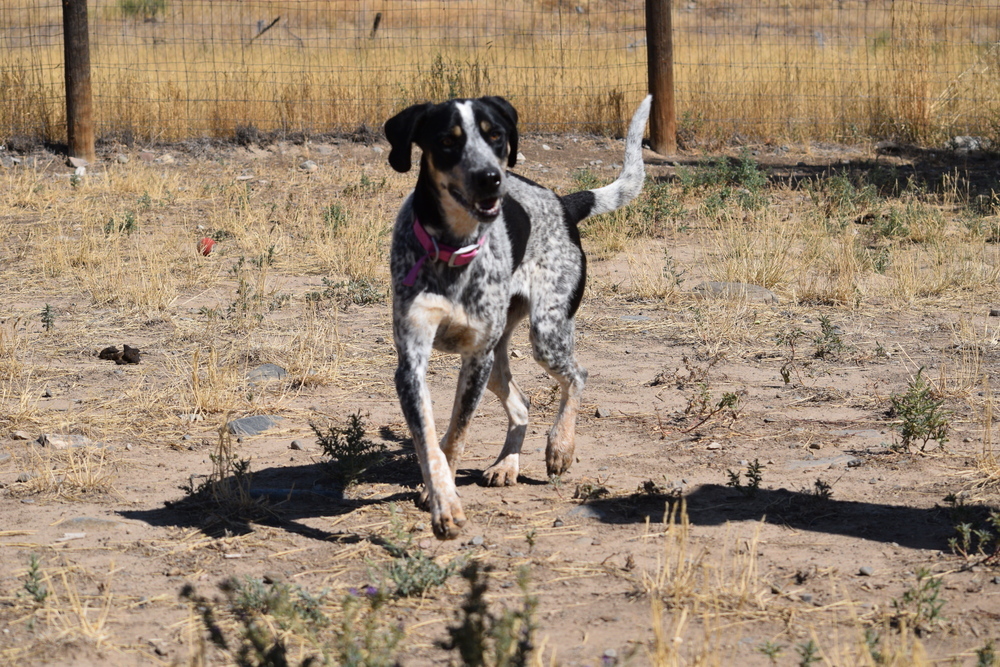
(843, 70)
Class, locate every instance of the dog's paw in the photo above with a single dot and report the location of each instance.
(447, 518)
(558, 461)
(500, 474)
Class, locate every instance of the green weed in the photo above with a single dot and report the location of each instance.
(48, 317)
(124, 224)
(755, 475)
(920, 607)
(828, 342)
(484, 638)
(34, 581)
(349, 453)
(920, 414)
(411, 572)
(808, 653)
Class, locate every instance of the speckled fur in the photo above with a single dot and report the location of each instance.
(531, 266)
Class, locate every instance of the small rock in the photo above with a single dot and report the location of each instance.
(308, 166)
(994, 312)
(146, 156)
(80, 171)
(76, 162)
(815, 445)
(753, 293)
(477, 541)
(253, 425)
(56, 441)
(520, 157)
(546, 147)
(186, 437)
(166, 158)
(516, 354)
(611, 653)
(121, 158)
(296, 444)
(866, 571)
(20, 435)
(425, 543)
(82, 523)
(266, 372)
(378, 150)
(24, 477)
(558, 523)
(192, 417)
(806, 597)
(714, 445)
(602, 412)
(995, 580)
(419, 527)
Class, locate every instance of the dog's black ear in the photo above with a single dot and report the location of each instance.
(399, 130)
(508, 114)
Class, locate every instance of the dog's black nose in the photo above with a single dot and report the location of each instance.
(487, 180)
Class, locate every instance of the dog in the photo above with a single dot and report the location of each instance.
(475, 250)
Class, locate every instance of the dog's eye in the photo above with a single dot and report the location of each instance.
(495, 136)
(448, 142)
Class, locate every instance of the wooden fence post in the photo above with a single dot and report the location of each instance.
(660, 58)
(79, 110)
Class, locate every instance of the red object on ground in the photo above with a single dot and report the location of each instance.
(205, 246)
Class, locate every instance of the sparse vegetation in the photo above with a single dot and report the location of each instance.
(921, 416)
(349, 453)
(671, 365)
(754, 474)
(921, 605)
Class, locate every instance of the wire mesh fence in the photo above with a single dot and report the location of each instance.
(762, 70)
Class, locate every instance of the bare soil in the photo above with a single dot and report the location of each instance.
(592, 540)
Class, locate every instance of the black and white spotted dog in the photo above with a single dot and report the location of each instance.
(475, 250)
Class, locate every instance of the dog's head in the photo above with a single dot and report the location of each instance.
(465, 145)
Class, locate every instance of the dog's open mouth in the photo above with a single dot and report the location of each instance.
(485, 209)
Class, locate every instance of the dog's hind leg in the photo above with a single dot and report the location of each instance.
(471, 383)
(516, 404)
(552, 342)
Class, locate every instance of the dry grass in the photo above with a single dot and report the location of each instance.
(916, 71)
(201, 337)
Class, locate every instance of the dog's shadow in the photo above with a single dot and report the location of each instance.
(714, 505)
(285, 496)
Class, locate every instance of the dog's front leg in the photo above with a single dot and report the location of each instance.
(447, 516)
(471, 385)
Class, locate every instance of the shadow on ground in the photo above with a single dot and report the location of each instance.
(713, 505)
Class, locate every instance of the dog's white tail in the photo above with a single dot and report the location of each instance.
(629, 183)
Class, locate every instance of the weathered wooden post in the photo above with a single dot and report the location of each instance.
(79, 109)
(660, 59)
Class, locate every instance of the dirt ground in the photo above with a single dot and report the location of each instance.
(838, 530)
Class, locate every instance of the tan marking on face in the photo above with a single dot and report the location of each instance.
(457, 130)
(462, 223)
(485, 126)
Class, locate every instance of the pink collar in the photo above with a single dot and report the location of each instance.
(437, 251)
